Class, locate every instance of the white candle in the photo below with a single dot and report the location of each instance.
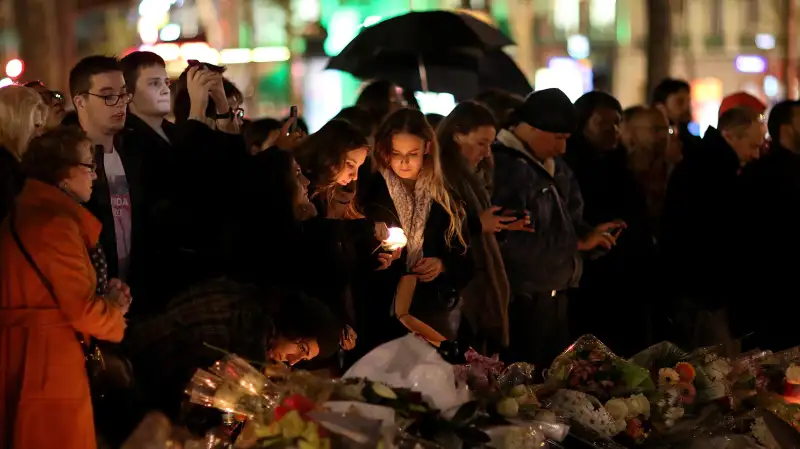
(396, 240)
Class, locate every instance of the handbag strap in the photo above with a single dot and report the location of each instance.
(46, 282)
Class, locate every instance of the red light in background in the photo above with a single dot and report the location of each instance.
(14, 68)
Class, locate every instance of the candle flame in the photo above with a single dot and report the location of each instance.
(396, 240)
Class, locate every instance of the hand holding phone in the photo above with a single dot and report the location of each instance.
(521, 222)
(293, 117)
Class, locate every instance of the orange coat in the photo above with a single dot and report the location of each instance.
(44, 389)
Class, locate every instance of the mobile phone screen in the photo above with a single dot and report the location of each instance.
(293, 114)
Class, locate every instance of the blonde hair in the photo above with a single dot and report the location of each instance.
(411, 121)
(21, 110)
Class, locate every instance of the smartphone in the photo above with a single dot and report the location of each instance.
(293, 114)
(205, 65)
(518, 214)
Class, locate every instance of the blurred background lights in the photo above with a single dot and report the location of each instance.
(750, 64)
(5, 82)
(578, 46)
(154, 7)
(170, 32)
(371, 20)
(342, 28)
(771, 86)
(14, 68)
(765, 41)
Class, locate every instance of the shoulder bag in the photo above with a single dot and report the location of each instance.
(105, 369)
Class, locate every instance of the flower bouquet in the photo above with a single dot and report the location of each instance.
(590, 367)
(600, 391)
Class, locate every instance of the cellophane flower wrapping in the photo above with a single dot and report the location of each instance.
(600, 390)
(591, 367)
(683, 388)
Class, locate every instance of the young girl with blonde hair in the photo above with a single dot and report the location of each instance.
(409, 191)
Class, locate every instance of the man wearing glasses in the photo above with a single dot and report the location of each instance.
(100, 97)
(54, 101)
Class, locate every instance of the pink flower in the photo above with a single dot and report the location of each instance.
(687, 392)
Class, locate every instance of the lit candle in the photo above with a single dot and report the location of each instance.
(396, 240)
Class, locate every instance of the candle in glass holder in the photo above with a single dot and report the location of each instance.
(396, 240)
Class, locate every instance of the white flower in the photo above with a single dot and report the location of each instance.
(620, 425)
(717, 389)
(718, 369)
(793, 374)
(638, 405)
(672, 395)
(617, 408)
(673, 413)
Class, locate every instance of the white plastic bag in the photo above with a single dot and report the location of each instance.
(409, 362)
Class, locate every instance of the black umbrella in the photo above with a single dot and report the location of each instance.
(462, 74)
(422, 42)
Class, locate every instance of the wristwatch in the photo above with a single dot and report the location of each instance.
(225, 115)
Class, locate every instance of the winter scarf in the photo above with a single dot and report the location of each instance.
(413, 209)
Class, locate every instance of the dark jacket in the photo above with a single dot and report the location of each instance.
(187, 186)
(433, 300)
(166, 350)
(768, 221)
(100, 205)
(547, 259)
(11, 181)
(698, 212)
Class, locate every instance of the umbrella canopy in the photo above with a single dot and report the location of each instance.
(464, 75)
(439, 51)
(428, 30)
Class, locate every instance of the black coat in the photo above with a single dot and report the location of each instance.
(698, 229)
(432, 301)
(187, 186)
(618, 288)
(766, 262)
(11, 181)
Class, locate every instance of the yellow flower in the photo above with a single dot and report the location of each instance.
(311, 433)
(292, 425)
(668, 377)
(272, 430)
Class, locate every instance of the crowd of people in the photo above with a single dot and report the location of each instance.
(155, 225)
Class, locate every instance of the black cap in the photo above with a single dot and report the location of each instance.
(549, 110)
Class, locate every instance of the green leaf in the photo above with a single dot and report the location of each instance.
(466, 412)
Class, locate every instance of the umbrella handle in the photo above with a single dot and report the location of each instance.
(423, 73)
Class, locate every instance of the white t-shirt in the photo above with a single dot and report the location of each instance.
(120, 208)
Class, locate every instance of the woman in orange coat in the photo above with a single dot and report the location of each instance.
(44, 389)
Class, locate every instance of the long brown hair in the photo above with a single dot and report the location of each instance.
(465, 118)
(322, 156)
(412, 121)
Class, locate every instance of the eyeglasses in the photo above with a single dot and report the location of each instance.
(114, 99)
(92, 167)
